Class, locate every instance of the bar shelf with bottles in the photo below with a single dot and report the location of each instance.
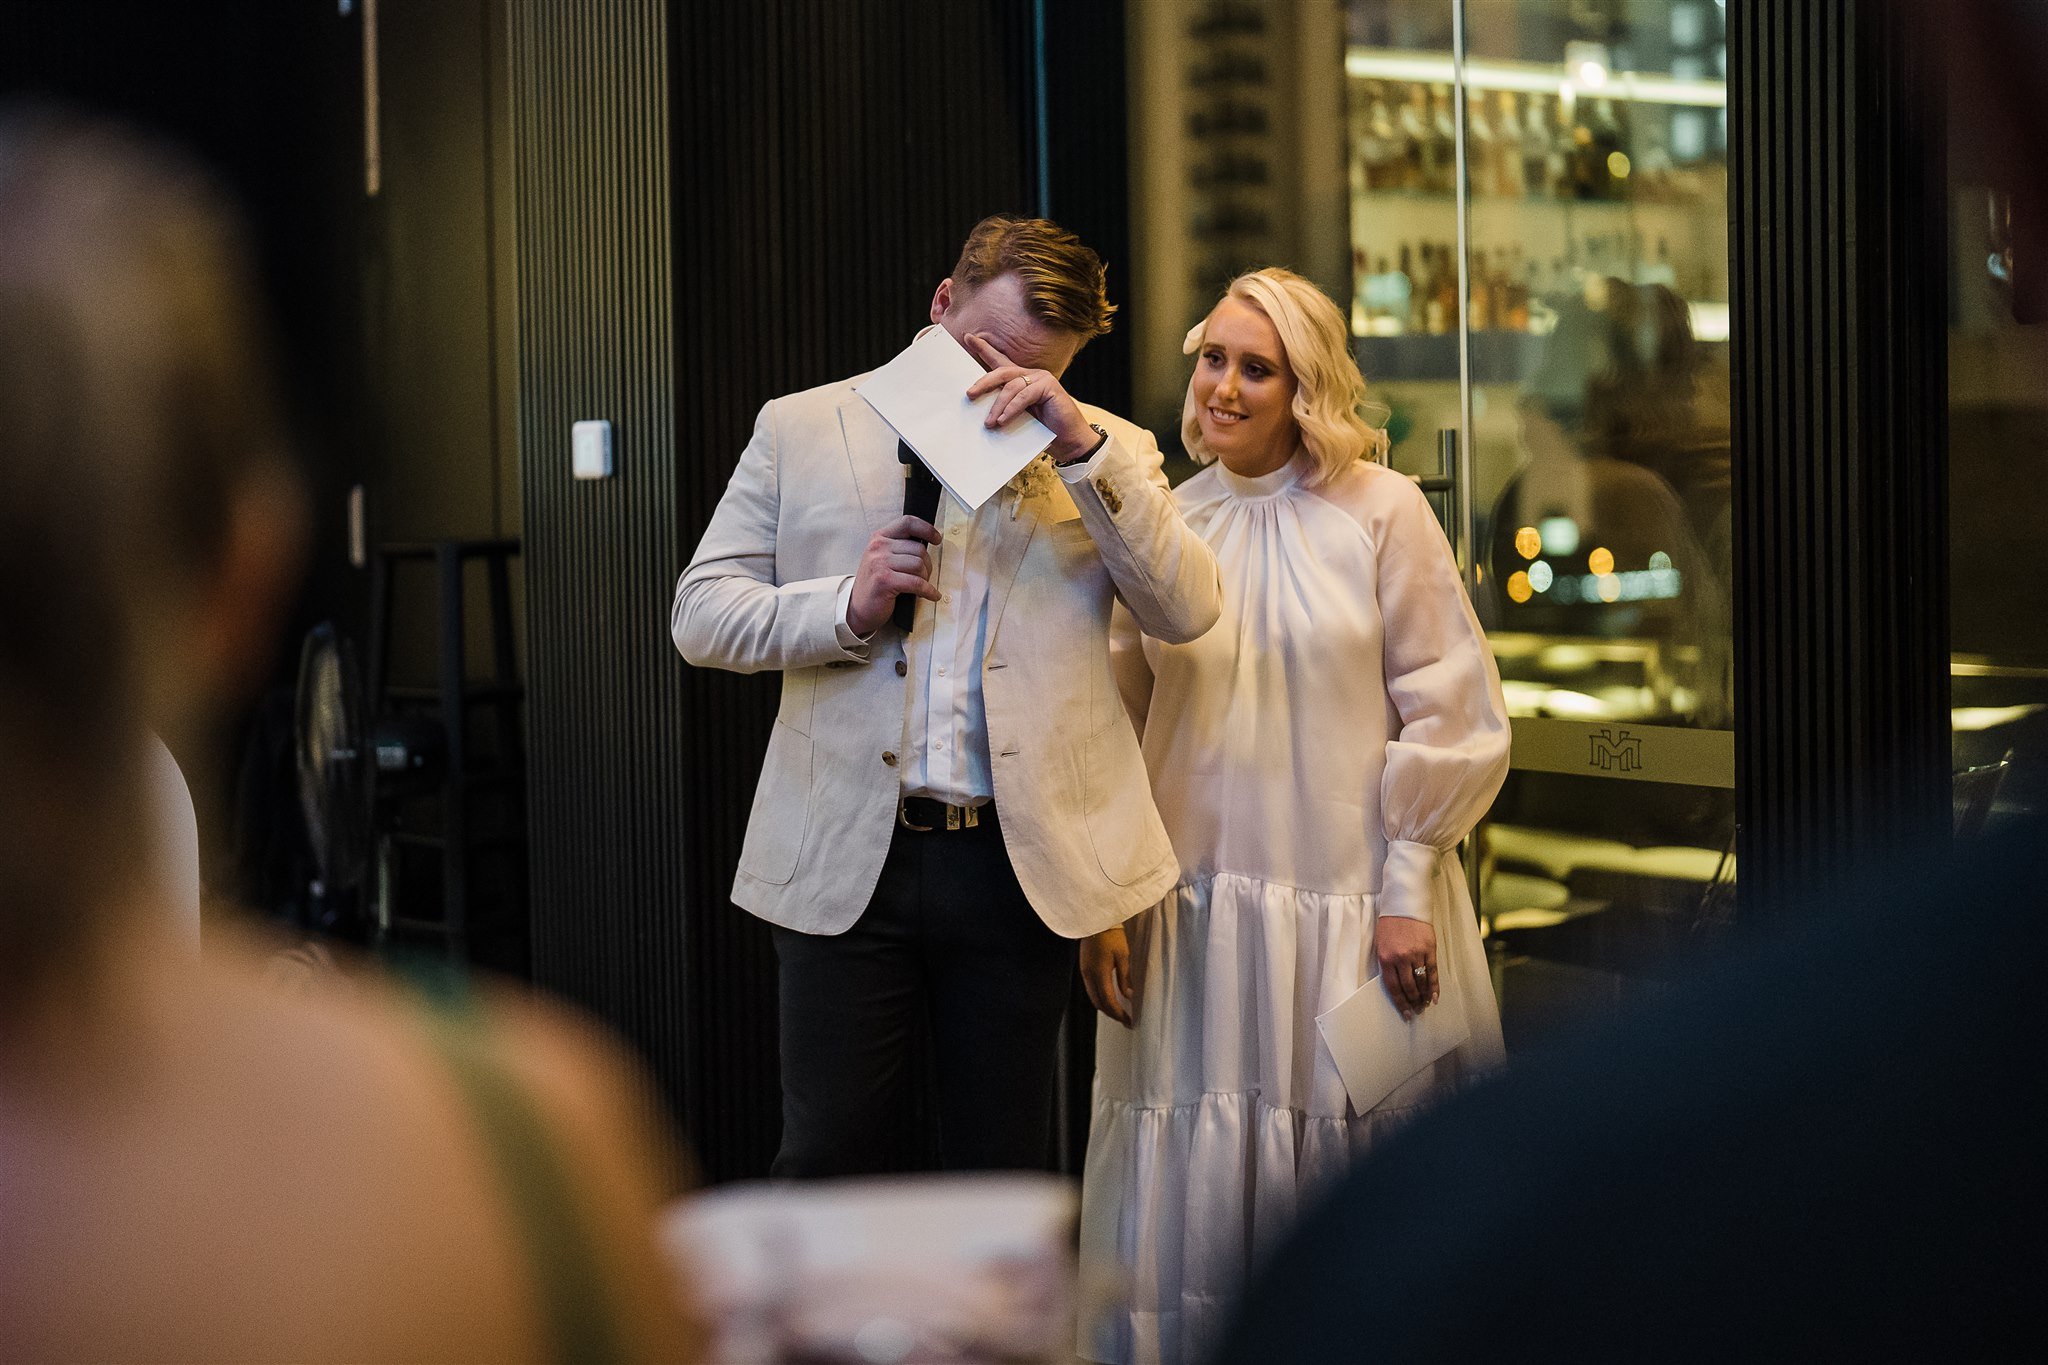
(1566, 186)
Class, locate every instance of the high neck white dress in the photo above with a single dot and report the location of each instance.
(1317, 756)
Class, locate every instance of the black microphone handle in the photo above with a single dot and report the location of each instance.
(920, 500)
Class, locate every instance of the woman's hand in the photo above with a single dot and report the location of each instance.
(1037, 392)
(1106, 972)
(1407, 952)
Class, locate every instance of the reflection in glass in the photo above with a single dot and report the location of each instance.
(1584, 309)
(1592, 536)
(1998, 502)
(1563, 312)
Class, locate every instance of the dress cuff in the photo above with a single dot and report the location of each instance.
(1080, 471)
(1408, 880)
(856, 645)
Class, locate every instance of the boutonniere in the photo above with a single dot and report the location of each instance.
(1034, 480)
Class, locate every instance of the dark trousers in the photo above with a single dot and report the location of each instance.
(947, 951)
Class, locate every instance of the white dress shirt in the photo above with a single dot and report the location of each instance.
(945, 741)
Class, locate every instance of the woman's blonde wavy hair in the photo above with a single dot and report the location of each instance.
(1331, 411)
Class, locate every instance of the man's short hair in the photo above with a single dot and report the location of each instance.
(1063, 280)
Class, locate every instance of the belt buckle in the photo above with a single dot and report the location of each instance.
(957, 817)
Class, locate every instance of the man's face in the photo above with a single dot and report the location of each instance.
(997, 311)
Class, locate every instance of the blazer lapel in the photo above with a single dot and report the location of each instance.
(1013, 538)
(871, 450)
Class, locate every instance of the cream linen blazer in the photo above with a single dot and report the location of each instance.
(819, 477)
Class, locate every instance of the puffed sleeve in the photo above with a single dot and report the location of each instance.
(1446, 762)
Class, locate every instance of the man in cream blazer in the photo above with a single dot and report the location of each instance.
(942, 812)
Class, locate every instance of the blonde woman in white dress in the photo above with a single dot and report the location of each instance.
(1317, 757)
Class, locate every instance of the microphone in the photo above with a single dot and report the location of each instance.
(920, 500)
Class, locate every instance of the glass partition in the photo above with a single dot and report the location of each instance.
(1998, 487)
(1523, 204)
(1539, 247)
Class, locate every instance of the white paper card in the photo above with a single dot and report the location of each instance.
(922, 393)
(1376, 1050)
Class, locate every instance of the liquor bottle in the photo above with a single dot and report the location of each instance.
(1418, 293)
(1535, 149)
(1521, 285)
(1380, 143)
(1541, 314)
(1443, 142)
(1389, 292)
(1507, 269)
(1443, 303)
(1608, 137)
(1482, 149)
(1479, 310)
(1507, 132)
(1361, 294)
(1415, 134)
(1433, 317)
(1557, 168)
(1585, 176)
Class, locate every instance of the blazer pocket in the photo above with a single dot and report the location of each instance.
(782, 809)
(1123, 824)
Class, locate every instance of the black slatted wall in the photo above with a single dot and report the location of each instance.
(1838, 269)
(608, 771)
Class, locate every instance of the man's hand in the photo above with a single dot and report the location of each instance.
(1037, 392)
(895, 562)
(1106, 972)
(1406, 949)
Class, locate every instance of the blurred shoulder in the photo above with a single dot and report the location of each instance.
(309, 1010)
(372, 1078)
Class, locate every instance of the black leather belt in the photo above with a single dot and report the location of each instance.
(924, 815)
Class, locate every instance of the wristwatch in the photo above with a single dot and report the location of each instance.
(1101, 432)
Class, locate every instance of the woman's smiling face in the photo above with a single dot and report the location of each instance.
(1244, 391)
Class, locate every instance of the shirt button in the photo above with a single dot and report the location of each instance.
(889, 757)
(901, 668)
(942, 670)
(938, 744)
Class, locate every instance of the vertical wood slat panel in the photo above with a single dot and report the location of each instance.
(589, 83)
(1837, 261)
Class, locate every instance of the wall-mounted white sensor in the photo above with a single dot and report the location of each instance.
(590, 444)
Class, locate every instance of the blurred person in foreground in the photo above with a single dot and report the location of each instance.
(194, 1163)
(1316, 757)
(1827, 1149)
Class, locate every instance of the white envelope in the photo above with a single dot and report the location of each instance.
(1376, 1050)
(922, 393)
